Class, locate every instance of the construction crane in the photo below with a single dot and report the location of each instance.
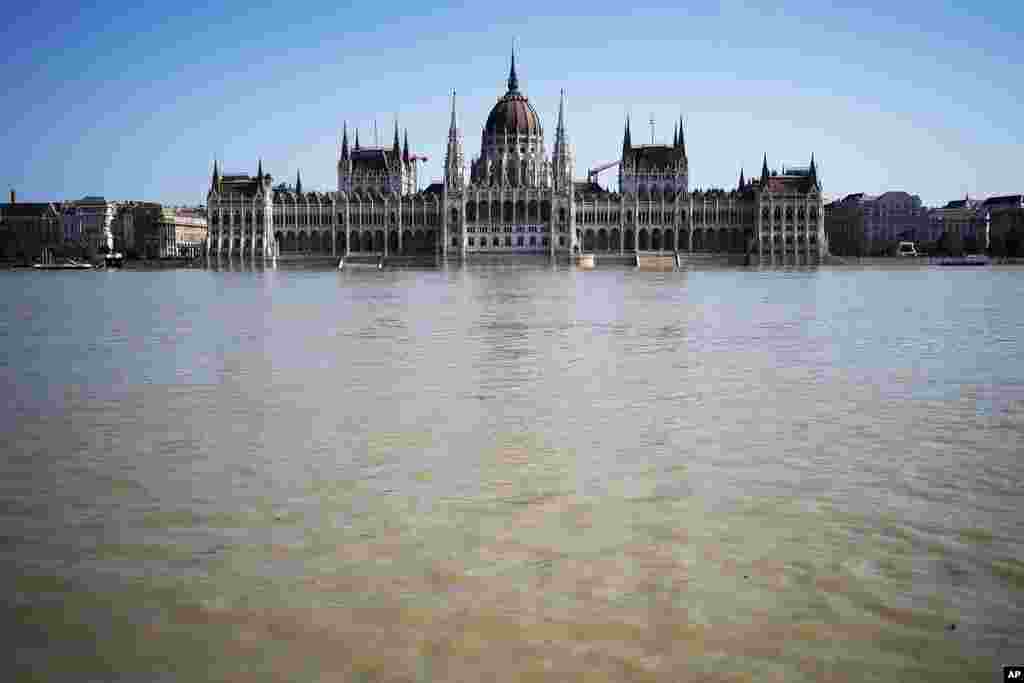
(593, 173)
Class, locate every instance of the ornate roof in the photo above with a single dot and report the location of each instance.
(513, 112)
(655, 156)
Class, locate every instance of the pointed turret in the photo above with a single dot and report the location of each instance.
(742, 183)
(764, 172)
(561, 159)
(405, 147)
(298, 182)
(396, 150)
(675, 135)
(344, 142)
(627, 143)
(513, 80)
(814, 172)
(356, 148)
(682, 137)
(215, 180)
(453, 160)
(259, 170)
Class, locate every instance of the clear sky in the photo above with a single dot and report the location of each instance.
(134, 103)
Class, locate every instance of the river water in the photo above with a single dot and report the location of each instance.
(513, 473)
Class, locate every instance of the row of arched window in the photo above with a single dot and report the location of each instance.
(801, 213)
(507, 210)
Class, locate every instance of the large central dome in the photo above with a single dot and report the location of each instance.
(513, 113)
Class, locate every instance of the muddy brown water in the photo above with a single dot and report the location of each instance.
(512, 473)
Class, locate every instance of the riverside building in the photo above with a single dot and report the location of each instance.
(518, 199)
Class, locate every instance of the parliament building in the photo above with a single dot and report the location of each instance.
(518, 200)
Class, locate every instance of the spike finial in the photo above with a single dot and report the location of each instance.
(513, 80)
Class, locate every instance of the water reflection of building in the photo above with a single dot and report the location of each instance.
(518, 199)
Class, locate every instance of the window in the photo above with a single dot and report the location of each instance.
(471, 241)
(508, 241)
(519, 241)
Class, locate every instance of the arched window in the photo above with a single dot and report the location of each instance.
(507, 212)
(778, 213)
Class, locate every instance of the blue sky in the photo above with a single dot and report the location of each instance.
(135, 103)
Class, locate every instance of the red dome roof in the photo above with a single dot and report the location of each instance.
(515, 114)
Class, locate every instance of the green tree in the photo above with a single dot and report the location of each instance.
(1015, 242)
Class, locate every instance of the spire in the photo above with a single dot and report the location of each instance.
(675, 134)
(356, 148)
(215, 181)
(298, 182)
(513, 81)
(395, 149)
(682, 137)
(344, 142)
(561, 112)
(741, 179)
(453, 128)
(627, 143)
(814, 172)
(764, 172)
(405, 148)
(259, 171)
(453, 161)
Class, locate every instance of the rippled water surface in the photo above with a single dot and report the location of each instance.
(513, 473)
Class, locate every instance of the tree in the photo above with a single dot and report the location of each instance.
(1014, 242)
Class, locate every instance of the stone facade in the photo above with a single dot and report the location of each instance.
(863, 225)
(518, 200)
(1004, 218)
(26, 229)
(962, 217)
(90, 221)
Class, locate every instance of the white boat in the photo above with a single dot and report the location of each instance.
(907, 249)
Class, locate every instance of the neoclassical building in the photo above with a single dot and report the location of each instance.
(518, 199)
